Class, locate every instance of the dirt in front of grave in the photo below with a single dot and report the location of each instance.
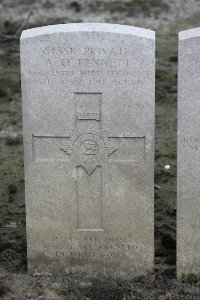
(161, 284)
(84, 284)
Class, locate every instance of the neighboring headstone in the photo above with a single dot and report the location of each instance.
(88, 112)
(188, 189)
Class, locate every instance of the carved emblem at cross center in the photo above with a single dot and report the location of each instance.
(89, 150)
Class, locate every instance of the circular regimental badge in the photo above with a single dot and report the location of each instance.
(89, 148)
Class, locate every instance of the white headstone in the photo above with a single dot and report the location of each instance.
(188, 203)
(88, 113)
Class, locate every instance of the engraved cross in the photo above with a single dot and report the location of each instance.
(89, 148)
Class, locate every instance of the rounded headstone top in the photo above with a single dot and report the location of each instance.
(90, 27)
(190, 33)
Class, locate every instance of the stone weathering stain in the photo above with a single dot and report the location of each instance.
(188, 188)
(88, 114)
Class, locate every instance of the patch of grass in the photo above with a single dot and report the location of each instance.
(184, 24)
(134, 6)
(183, 277)
(166, 85)
(62, 292)
(9, 81)
(11, 174)
(10, 266)
(10, 114)
(168, 151)
(48, 4)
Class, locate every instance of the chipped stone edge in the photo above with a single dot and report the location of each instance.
(89, 27)
(190, 33)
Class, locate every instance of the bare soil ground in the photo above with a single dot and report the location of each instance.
(167, 18)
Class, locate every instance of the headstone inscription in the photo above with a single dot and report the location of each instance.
(88, 115)
(188, 187)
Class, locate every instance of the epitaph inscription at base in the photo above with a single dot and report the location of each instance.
(88, 113)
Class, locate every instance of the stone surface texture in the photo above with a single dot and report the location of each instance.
(88, 114)
(188, 206)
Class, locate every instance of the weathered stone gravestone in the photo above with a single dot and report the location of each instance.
(188, 203)
(88, 113)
